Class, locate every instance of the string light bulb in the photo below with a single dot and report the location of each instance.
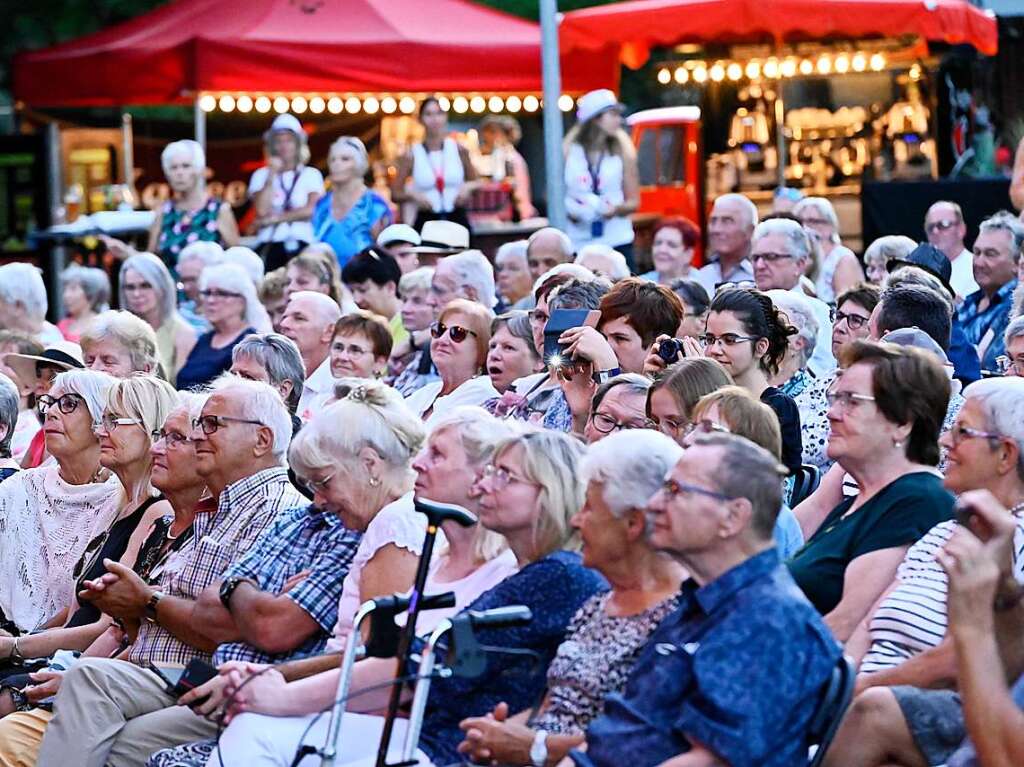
(335, 105)
(299, 104)
(262, 104)
(531, 103)
(317, 105)
(734, 71)
(496, 104)
(513, 104)
(371, 105)
(244, 104)
(353, 105)
(281, 105)
(388, 105)
(664, 76)
(460, 104)
(207, 103)
(226, 103)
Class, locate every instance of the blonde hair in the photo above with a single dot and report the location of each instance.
(367, 414)
(132, 332)
(478, 319)
(745, 416)
(145, 397)
(551, 459)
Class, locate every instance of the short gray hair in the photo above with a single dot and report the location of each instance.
(209, 253)
(1002, 400)
(512, 251)
(634, 382)
(891, 246)
(370, 414)
(10, 403)
(746, 470)
(619, 270)
(1014, 330)
(418, 279)
(94, 283)
(800, 314)
(1004, 221)
(280, 357)
(576, 271)
(22, 283)
(248, 260)
(259, 402)
(823, 207)
(744, 202)
(797, 239)
(234, 278)
(186, 146)
(153, 271)
(563, 240)
(133, 333)
(90, 385)
(630, 466)
(475, 271)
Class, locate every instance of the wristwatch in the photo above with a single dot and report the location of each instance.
(227, 590)
(154, 600)
(603, 376)
(539, 749)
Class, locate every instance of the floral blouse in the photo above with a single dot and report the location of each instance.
(809, 393)
(180, 228)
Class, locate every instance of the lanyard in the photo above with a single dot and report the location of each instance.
(288, 192)
(594, 171)
(438, 174)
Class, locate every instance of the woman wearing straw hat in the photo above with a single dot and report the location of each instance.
(601, 178)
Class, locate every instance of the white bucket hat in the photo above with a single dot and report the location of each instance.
(594, 103)
(442, 237)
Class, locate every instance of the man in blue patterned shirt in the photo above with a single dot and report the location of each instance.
(735, 675)
(259, 540)
(985, 313)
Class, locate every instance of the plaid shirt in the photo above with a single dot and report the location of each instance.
(976, 323)
(244, 510)
(299, 539)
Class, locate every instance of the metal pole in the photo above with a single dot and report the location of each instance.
(128, 159)
(199, 117)
(552, 80)
(58, 252)
(780, 132)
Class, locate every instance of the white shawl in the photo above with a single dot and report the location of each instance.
(45, 526)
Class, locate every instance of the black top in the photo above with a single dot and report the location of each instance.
(205, 362)
(789, 423)
(110, 544)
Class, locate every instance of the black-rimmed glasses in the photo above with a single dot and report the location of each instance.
(211, 423)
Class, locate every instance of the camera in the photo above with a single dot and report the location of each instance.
(670, 349)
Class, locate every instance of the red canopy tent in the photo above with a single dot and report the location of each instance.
(637, 26)
(189, 46)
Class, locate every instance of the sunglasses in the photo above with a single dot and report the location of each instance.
(939, 226)
(457, 333)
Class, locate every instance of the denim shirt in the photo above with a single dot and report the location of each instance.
(996, 317)
(740, 668)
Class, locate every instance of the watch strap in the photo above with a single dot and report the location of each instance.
(603, 376)
(151, 605)
(539, 749)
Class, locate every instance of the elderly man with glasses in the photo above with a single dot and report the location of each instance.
(735, 674)
(945, 228)
(259, 583)
(780, 252)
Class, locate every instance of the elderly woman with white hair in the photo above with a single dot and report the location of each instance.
(64, 504)
(797, 380)
(191, 214)
(883, 250)
(191, 262)
(512, 273)
(85, 293)
(606, 635)
(234, 311)
(350, 216)
(147, 290)
(23, 303)
(120, 344)
(10, 406)
(839, 269)
(604, 261)
(406, 367)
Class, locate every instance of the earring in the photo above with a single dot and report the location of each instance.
(374, 482)
(898, 444)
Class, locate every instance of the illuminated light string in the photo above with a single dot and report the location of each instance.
(407, 104)
(773, 68)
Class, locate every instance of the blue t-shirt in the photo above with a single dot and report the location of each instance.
(739, 668)
(354, 232)
(553, 588)
(787, 533)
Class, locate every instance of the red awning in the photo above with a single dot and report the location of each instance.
(289, 46)
(639, 25)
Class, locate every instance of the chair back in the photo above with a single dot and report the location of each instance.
(835, 700)
(805, 482)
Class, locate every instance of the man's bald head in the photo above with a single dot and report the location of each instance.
(309, 321)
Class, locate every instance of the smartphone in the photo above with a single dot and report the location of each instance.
(177, 680)
(560, 321)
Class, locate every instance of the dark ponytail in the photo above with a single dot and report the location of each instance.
(761, 319)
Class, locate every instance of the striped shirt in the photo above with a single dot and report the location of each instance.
(912, 618)
(244, 510)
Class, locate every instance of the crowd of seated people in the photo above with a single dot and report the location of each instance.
(708, 484)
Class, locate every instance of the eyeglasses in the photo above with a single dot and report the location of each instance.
(457, 333)
(606, 424)
(351, 350)
(110, 422)
(846, 400)
(1010, 365)
(939, 226)
(670, 427)
(674, 489)
(501, 478)
(211, 423)
(172, 438)
(66, 403)
(135, 287)
(959, 433)
(727, 339)
(771, 258)
(218, 293)
(320, 484)
(853, 321)
(706, 426)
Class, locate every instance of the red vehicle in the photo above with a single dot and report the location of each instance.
(671, 162)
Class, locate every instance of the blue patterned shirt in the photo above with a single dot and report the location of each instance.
(996, 317)
(554, 588)
(354, 232)
(304, 538)
(738, 668)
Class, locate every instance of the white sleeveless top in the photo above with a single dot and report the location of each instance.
(426, 166)
(823, 285)
(582, 201)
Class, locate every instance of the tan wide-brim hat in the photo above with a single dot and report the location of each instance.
(442, 237)
(62, 354)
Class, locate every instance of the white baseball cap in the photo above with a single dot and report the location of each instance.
(289, 123)
(594, 103)
(398, 233)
